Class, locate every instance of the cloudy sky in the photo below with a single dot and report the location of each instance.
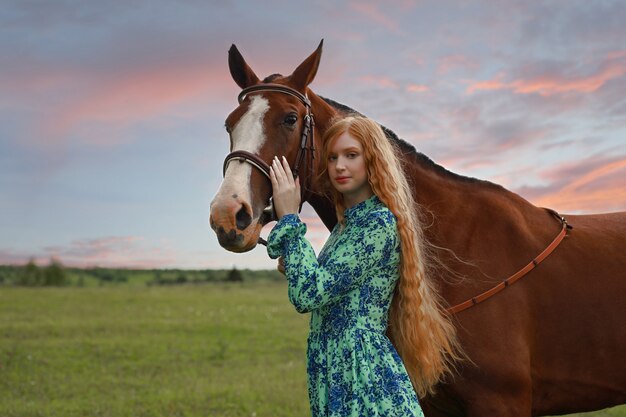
(112, 112)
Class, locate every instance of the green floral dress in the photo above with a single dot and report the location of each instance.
(353, 369)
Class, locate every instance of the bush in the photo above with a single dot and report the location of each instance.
(181, 278)
(108, 275)
(30, 275)
(234, 275)
(54, 274)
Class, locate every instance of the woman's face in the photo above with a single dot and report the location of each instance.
(347, 169)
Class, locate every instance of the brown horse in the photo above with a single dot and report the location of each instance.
(553, 343)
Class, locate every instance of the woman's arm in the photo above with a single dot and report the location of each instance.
(312, 285)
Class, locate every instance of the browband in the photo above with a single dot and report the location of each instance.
(273, 87)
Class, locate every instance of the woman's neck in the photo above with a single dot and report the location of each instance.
(350, 200)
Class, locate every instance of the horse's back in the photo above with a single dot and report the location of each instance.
(613, 223)
(579, 308)
(598, 242)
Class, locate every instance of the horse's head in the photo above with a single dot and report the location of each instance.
(272, 118)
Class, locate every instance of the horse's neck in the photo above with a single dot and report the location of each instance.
(477, 220)
(323, 114)
(458, 211)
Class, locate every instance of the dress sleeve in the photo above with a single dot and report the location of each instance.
(312, 285)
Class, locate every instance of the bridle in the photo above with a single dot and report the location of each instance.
(307, 136)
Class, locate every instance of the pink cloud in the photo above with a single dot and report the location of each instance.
(417, 88)
(451, 62)
(114, 252)
(26, 83)
(97, 104)
(418, 60)
(372, 12)
(552, 84)
(487, 85)
(13, 257)
(130, 97)
(616, 54)
(592, 186)
(379, 81)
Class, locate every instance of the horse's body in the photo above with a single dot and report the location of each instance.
(553, 343)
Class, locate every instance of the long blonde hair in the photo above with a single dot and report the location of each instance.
(419, 329)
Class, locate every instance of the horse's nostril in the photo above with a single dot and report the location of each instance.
(243, 218)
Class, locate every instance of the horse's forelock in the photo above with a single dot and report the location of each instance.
(272, 78)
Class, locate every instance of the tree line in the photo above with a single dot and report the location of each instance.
(31, 275)
(55, 274)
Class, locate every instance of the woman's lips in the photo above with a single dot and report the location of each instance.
(342, 179)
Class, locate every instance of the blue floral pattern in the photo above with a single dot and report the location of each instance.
(353, 369)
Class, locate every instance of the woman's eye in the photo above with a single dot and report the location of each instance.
(352, 155)
(291, 119)
(332, 158)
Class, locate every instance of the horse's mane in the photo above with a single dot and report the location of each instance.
(409, 149)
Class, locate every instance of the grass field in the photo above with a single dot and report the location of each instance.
(219, 349)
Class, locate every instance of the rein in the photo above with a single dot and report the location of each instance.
(519, 274)
(308, 131)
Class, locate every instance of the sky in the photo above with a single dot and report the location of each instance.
(112, 112)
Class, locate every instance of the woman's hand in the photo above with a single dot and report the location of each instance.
(286, 190)
(281, 265)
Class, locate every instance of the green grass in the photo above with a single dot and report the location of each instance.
(609, 412)
(220, 349)
(210, 350)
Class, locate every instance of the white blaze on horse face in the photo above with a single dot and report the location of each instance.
(247, 135)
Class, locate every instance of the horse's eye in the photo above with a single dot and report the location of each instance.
(291, 119)
(227, 128)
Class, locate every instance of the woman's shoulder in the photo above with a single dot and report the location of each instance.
(370, 213)
(377, 218)
(382, 214)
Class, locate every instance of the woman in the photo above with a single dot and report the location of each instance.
(370, 278)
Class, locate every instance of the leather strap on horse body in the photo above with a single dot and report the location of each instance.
(519, 274)
(308, 132)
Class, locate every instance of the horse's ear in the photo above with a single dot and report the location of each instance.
(305, 73)
(239, 70)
